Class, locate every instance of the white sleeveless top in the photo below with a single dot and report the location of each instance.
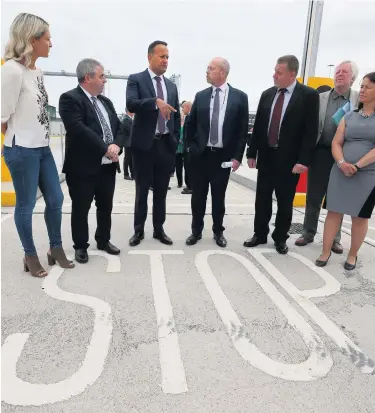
(24, 102)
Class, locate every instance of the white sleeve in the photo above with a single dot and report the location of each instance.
(11, 82)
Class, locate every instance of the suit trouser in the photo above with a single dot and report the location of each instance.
(274, 177)
(82, 191)
(206, 171)
(152, 168)
(128, 163)
(187, 170)
(317, 185)
(179, 167)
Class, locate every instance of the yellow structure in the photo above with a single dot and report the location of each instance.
(314, 82)
(8, 196)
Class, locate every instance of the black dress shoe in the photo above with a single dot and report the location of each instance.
(193, 239)
(128, 178)
(254, 241)
(136, 239)
(81, 256)
(281, 248)
(220, 240)
(350, 267)
(322, 263)
(108, 248)
(162, 237)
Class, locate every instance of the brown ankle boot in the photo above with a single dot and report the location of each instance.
(31, 264)
(58, 254)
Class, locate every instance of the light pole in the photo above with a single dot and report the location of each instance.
(330, 68)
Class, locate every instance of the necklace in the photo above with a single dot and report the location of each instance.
(363, 114)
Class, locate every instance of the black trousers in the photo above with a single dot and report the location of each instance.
(152, 168)
(187, 170)
(275, 177)
(182, 169)
(128, 162)
(206, 171)
(179, 161)
(83, 190)
(317, 185)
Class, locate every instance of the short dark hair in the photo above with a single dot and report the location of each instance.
(371, 77)
(291, 62)
(152, 46)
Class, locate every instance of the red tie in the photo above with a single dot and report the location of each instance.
(273, 133)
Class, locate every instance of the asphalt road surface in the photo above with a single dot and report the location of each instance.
(187, 329)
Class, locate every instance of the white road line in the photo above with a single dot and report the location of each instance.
(319, 361)
(356, 355)
(172, 368)
(19, 392)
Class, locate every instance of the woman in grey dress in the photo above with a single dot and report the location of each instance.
(351, 188)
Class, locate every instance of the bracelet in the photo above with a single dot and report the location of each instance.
(357, 167)
(338, 163)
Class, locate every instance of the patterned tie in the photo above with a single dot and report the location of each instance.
(108, 137)
(273, 133)
(161, 120)
(214, 131)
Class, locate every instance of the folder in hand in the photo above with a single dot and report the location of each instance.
(341, 112)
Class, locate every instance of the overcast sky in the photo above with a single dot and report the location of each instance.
(250, 34)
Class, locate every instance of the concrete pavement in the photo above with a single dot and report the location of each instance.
(187, 329)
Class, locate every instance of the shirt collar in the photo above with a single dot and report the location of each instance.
(87, 93)
(290, 88)
(153, 75)
(223, 87)
(345, 95)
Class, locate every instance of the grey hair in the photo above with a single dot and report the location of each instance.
(87, 67)
(24, 29)
(353, 66)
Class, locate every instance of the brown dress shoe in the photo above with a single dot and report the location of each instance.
(302, 241)
(337, 248)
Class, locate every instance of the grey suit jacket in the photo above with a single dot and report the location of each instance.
(323, 104)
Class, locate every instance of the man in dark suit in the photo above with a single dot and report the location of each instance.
(282, 147)
(216, 133)
(154, 100)
(127, 129)
(93, 142)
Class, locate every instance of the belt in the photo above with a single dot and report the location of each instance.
(273, 148)
(158, 136)
(213, 149)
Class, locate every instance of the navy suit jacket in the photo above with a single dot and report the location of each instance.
(141, 100)
(84, 144)
(235, 125)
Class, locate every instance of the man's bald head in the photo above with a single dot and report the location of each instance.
(217, 71)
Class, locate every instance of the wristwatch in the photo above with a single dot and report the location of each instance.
(357, 167)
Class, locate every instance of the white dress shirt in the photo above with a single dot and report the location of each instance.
(165, 93)
(287, 95)
(223, 95)
(102, 108)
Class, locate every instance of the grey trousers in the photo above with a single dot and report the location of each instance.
(317, 184)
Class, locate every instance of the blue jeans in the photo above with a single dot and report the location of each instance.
(30, 168)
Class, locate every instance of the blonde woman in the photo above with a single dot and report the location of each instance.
(25, 124)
